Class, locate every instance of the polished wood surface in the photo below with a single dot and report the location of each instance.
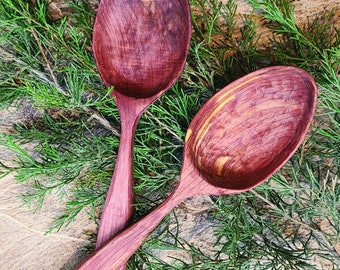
(236, 141)
(140, 47)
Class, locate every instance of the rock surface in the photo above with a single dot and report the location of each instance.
(24, 242)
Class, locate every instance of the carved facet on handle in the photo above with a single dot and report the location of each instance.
(118, 208)
(115, 253)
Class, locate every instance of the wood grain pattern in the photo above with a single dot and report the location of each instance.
(249, 129)
(138, 44)
(140, 48)
(261, 118)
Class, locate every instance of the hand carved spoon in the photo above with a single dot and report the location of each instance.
(140, 47)
(237, 140)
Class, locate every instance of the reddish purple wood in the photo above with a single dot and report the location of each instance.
(260, 126)
(248, 130)
(140, 47)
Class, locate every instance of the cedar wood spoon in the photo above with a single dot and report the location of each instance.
(237, 140)
(140, 47)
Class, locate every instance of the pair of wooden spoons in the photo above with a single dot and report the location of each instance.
(236, 141)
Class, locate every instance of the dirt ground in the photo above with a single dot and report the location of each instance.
(24, 243)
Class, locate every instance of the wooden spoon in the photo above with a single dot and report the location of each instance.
(237, 140)
(140, 47)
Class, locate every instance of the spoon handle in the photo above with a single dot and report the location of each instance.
(115, 254)
(118, 208)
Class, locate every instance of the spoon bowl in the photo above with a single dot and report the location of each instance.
(237, 140)
(140, 48)
(259, 120)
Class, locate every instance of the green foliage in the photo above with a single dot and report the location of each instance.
(47, 66)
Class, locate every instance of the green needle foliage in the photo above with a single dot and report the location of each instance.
(47, 71)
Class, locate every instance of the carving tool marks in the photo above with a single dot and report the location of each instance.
(140, 41)
(220, 101)
(255, 115)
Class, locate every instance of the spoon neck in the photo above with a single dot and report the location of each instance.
(130, 109)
